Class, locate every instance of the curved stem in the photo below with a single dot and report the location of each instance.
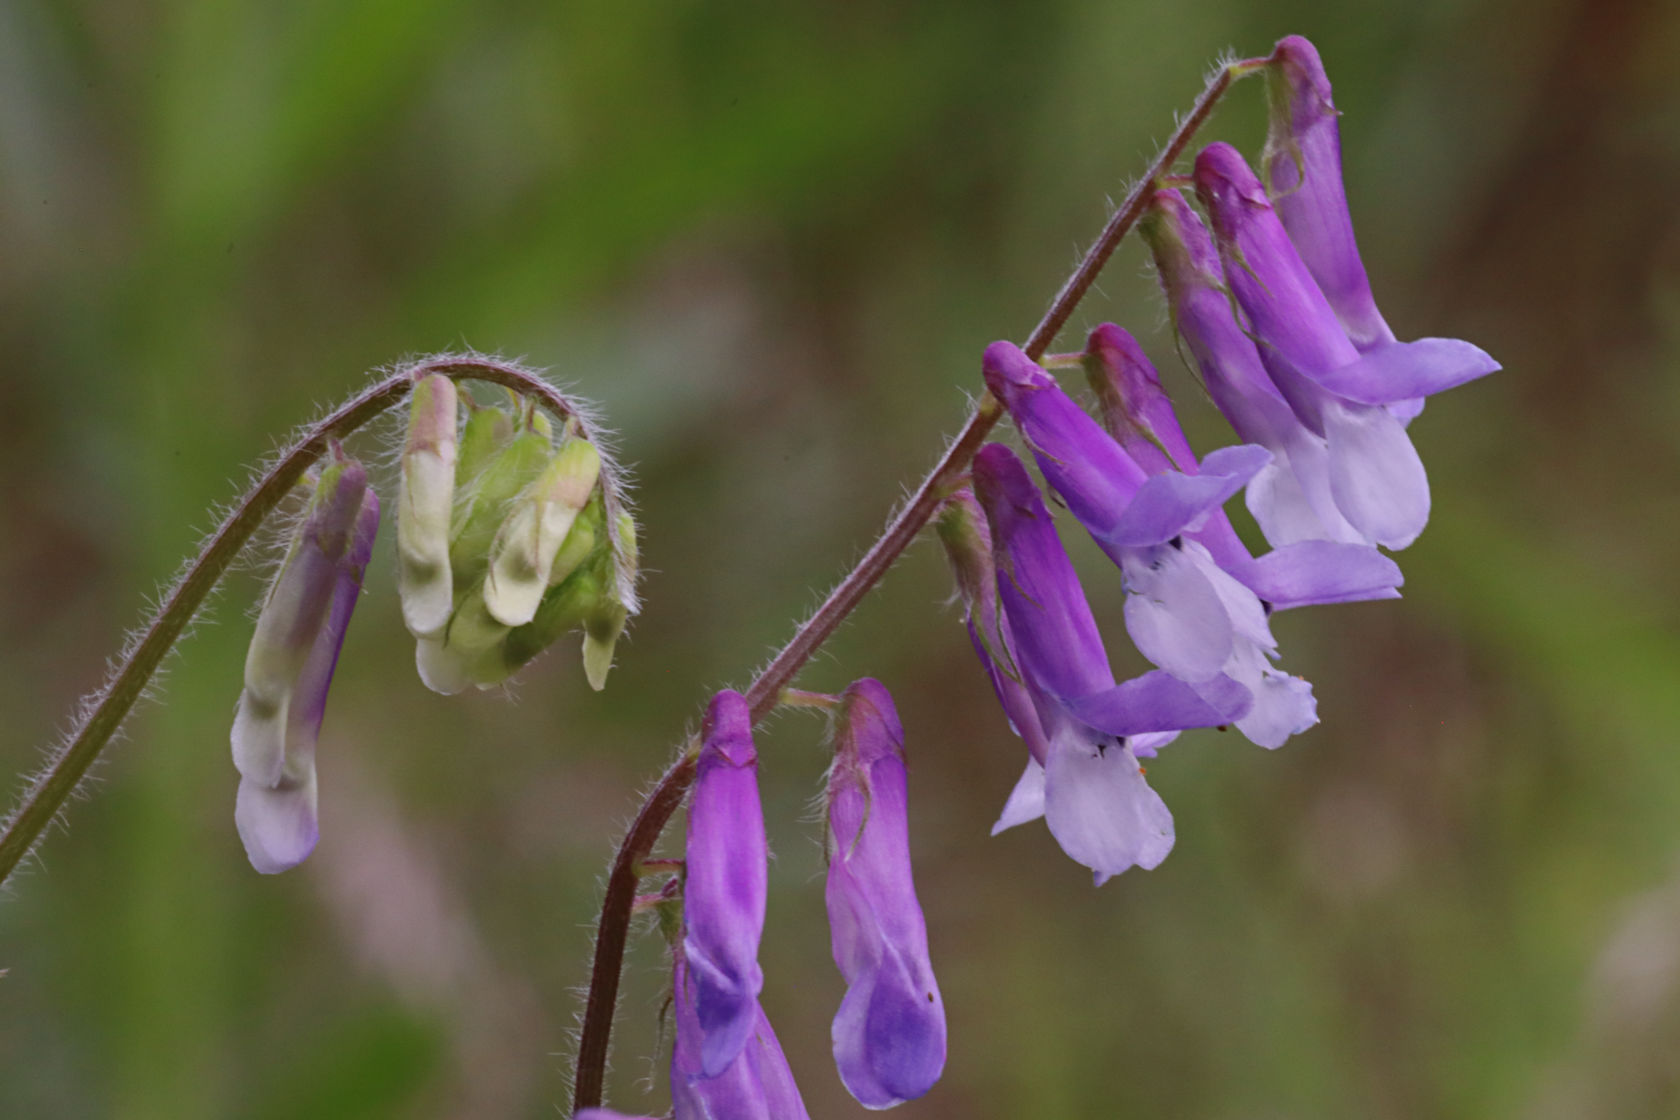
(102, 712)
(613, 928)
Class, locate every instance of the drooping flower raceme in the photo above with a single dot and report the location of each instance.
(725, 883)
(290, 665)
(1376, 478)
(1088, 787)
(889, 1035)
(1186, 614)
(1138, 414)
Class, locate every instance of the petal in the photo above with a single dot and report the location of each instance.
(1101, 811)
(1169, 503)
(1159, 702)
(1309, 572)
(1173, 614)
(278, 826)
(1026, 800)
(1146, 746)
(1403, 371)
(1283, 706)
(1375, 474)
(1242, 607)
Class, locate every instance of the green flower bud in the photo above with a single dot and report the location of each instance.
(603, 626)
(523, 552)
(424, 507)
(482, 503)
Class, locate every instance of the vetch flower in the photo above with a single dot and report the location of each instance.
(1091, 790)
(756, 1084)
(290, 663)
(1290, 496)
(889, 1035)
(1137, 413)
(724, 888)
(1376, 478)
(425, 502)
(1185, 613)
(1303, 166)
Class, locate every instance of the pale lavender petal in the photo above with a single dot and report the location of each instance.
(1173, 614)
(1026, 800)
(1290, 497)
(889, 1035)
(1159, 702)
(1100, 809)
(724, 889)
(1375, 474)
(1310, 572)
(1146, 746)
(1398, 371)
(1283, 704)
(278, 825)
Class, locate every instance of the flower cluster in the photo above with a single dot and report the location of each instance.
(1275, 308)
(889, 1033)
(506, 539)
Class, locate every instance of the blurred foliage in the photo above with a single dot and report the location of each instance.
(772, 240)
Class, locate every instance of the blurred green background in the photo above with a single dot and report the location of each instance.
(772, 240)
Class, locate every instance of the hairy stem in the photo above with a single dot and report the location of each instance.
(103, 712)
(613, 927)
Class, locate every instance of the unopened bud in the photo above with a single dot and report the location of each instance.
(484, 499)
(424, 507)
(290, 666)
(523, 552)
(605, 624)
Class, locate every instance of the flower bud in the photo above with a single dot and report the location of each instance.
(889, 1035)
(424, 507)
(522, 554)
(483, 500)
(289, 667)
(605, 623)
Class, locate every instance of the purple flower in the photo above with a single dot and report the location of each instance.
(755, 1085)
(1376, 479)
(1137, 413)
(724, 888)
(1091, 791)
(1290, 496)
(289, 667)
(1186, 614)
(889, 1035)
(1303, 165)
